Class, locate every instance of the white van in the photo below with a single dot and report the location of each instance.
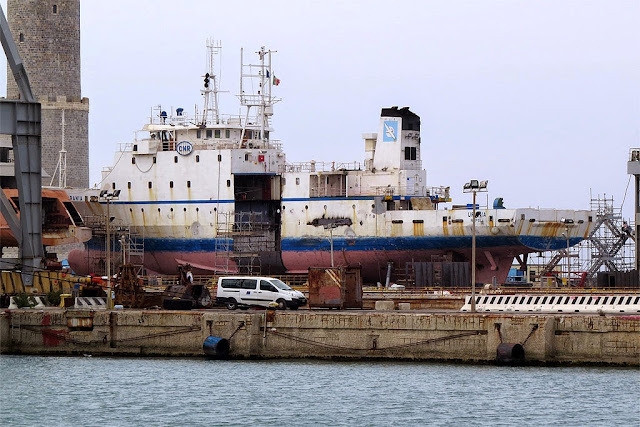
(244, 291)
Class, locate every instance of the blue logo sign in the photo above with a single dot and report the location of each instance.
(184, 148)
(390, 131)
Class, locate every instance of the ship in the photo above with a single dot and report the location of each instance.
(61, 223)
(217, 192)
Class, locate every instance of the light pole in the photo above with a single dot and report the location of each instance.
(566, 222)
(105, 195)
(474, 186)
(331, 227)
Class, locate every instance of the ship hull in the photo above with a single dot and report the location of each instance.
(373, 254)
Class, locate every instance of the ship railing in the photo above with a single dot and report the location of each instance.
(398, 190)
(125, 146)
(209, 144)
(313, 166)
(186, 119)
(439, 192)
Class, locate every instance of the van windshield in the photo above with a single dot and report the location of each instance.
(280, 285)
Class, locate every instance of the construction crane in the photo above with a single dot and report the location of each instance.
(21, 119)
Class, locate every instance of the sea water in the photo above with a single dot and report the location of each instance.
(99, 391)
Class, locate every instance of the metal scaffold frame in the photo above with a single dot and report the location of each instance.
(610, 247)
(241, 237)
(130, 243)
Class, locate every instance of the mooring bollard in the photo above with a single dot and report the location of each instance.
(216, 347)
(510, 353)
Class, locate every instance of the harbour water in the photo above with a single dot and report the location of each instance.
(87, 391)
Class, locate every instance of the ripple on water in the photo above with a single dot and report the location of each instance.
(159, 392)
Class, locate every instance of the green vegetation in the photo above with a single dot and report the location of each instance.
(53, 298)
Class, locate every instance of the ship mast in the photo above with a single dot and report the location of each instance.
(263, 100)
(210, 90)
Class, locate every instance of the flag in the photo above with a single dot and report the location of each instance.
(276, 81)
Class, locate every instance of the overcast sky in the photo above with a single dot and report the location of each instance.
(542, 98)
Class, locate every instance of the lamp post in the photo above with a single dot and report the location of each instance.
(474, 186)
(566, 222)
(107, 196)
(330, 227)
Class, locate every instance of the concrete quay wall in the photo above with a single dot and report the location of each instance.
(546, 338)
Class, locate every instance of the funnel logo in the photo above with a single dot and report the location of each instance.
(390, 131)
(184, 148)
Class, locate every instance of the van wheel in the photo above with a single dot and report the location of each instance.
(282, 304)
(232, 304)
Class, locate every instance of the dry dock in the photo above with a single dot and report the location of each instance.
(413, 335)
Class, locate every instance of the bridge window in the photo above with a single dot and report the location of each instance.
(410, 153)
(55, 9)
(21, 37)
(175, 159)
(129, 185)
(150, 184)
(227, 133)
(209, 133)
(198, 134)
(170, 184)
(133, 160)
(188, 184)
(197, 158)
(217, 133)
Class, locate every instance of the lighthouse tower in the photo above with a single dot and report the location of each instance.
(47, 33)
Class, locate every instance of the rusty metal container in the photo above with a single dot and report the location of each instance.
(335, 287)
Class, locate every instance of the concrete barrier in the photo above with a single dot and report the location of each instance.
(385, 305)
(358, 335)
(404, 306)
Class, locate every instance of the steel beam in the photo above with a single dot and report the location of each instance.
(22, 120)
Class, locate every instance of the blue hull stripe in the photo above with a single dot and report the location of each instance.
(302, 244)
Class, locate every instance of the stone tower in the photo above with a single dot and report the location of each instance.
(47, 33)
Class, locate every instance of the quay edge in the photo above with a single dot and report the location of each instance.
(358, 335)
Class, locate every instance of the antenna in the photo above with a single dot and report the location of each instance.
(263, 99)
(210, 90)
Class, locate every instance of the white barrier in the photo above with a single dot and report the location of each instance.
(38, 300)
(91, 303)
(555, 303)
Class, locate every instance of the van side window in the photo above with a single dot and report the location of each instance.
(231, 283)
(249, 284)
(266, 286)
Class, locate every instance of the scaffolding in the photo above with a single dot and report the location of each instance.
(610, 247)
(241, 239)
(127, 245)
